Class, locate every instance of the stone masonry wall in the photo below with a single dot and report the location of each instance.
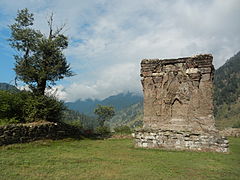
(19, 133)
(178, 105)
(234, 132)
(180, 140)
(178, 93)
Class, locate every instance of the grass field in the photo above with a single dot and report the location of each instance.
(113, 159)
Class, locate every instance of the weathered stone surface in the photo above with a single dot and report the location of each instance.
(178, 105)
(235, 132)
(181, 140)
(178, 93)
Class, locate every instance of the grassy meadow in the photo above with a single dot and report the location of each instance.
(113, 159)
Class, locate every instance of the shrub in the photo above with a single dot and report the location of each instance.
(102, 130)
(37, 108)
(123, 130)
(24, 107)
(11, 107)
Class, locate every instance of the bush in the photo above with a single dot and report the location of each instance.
(102, 130)
(37, 108)
(123, 130)
(24, 107)
(11, 107)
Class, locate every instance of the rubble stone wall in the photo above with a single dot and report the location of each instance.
(20, 133)
(234, 132)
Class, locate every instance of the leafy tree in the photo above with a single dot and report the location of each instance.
(40, 61)
(104, 113)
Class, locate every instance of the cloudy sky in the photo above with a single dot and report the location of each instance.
(109, 38)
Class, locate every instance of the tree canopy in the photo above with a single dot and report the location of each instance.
(104, 113)
(40, 61)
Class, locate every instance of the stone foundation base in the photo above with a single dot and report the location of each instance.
(180, 140)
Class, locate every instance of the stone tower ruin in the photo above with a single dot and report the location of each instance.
(178, 105)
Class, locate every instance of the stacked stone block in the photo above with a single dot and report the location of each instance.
(178, 98)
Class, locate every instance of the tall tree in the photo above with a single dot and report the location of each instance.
(104, 113)
(40, 62)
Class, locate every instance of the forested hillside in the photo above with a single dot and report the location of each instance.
(131, 116)
(227, 93)
(78, 119)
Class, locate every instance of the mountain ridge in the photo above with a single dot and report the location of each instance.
(8, 87)
(119, 102)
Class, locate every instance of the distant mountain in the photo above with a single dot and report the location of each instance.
(119, 102)
(8, 87)
(227, 93)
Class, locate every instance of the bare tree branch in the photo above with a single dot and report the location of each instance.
(50, 24)
(59, 29)
(53, 33)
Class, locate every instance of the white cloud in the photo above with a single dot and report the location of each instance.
(24, 87)
(111, 81)
(108, 39)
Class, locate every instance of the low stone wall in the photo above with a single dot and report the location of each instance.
(19, 133)
(234, 132)
(180, 140)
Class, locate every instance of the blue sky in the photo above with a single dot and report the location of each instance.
(108, 39)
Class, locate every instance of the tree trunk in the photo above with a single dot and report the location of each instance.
(41, 86)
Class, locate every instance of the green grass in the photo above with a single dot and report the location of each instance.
(113, 159)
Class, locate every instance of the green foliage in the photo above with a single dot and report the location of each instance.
(227, 82)
(40, 61)
(123, 130)
(11, 107)
(76, 123)
(24, 107)
(38, 108)
(104, 113)
(102, 130)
